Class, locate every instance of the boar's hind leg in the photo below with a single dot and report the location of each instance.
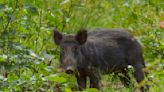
(81, 80)
(139, 75)
(125, 78)
(135, 58)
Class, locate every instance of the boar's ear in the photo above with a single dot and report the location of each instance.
(81, 36)
(57, 36)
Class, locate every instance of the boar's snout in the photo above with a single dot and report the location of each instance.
(69, 70)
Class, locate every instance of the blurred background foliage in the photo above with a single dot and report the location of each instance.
(29, 58)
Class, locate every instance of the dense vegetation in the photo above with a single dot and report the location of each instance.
(29, 58)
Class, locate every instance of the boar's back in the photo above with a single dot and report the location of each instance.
(107, 49)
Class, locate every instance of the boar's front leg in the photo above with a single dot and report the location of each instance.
(94, 79)
(81, 80)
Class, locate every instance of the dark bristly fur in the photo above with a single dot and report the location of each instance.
(100, 51)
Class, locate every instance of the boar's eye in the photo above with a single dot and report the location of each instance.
(75, 48)
(62, 52)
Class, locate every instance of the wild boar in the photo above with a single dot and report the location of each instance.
(91, 53)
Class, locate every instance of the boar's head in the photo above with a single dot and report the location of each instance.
(69, 48)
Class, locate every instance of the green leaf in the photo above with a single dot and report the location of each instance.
(32, 9)
(3, 57)
(2, 6)
(68, 90)
(56, 78)
(91, 90)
